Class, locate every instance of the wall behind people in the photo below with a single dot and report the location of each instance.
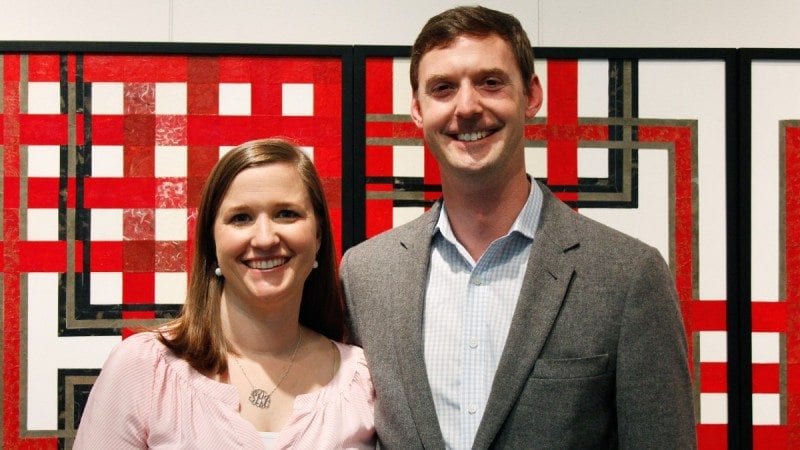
(552, 23)
(679, 92)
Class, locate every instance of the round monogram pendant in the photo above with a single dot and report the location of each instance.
(260, 398)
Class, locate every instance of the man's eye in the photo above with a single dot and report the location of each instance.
(441, 90)
(493, 83)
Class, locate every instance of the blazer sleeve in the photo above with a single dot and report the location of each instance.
(354, 337)
(654, 392)
(118, 407)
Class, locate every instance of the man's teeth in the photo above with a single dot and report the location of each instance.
(268, 264)
(469, 137)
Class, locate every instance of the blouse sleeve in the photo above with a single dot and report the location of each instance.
(359, 405)
(118, 407)
(341, 415)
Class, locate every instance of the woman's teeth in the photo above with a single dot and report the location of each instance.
(266, 264)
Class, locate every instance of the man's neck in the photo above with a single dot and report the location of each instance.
(479, 216)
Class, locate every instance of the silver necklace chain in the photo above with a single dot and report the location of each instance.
(259, 397)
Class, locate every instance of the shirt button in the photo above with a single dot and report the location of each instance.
(472, 409)
(473, 343)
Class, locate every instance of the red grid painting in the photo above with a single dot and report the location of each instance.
(104, 157)
(561, 132)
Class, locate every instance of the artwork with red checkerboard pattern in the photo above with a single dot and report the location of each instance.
(104, 157)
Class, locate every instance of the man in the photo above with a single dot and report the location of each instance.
(501, 318)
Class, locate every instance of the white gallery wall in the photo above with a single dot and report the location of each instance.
(552, 23)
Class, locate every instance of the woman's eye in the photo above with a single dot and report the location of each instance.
(287, 214)
(240, 218)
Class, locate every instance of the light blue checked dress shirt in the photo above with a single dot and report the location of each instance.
(468, 311)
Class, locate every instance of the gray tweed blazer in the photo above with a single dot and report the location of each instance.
(595, 358)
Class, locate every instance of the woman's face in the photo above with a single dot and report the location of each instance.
(266, 236)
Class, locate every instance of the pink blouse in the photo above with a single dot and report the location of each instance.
(146, 397)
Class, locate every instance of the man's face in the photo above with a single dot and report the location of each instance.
(471, 106)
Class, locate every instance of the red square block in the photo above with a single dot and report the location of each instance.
(139, 256)
(138, 287)
(106, 256)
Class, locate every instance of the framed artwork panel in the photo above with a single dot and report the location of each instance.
(105, 150)
(639, 139)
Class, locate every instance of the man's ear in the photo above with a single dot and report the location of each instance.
(535, 97)
(416, 115)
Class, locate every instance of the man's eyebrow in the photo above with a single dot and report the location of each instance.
(492, 71)
(437, 78)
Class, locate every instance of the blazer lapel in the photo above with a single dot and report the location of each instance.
(546, 282)
(409, 298)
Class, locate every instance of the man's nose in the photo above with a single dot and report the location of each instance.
(468, 101)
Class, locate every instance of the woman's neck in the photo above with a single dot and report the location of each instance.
(258, 333)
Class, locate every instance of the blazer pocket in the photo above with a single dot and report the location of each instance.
(591, 366)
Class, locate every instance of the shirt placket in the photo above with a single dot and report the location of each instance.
(474, 347)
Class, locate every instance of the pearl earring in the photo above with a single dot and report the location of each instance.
(315, 265)
(218, 272)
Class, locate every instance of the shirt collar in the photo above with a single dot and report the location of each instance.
(525, 223)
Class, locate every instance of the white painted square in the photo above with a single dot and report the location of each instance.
(235, 99)
(170, 161)
(108, 98)
(766, 347)
(649, 222)
(170, 224)
(593, 162)
(309, 151)
(47, 352)
(171, 98)
(44, 98)
(536, 161)
(713, 346)
(408, 161)
(106, 224)
(592, 88)
(223, 149)
(401, 88)
(105, 288)
(713, 408)
(170, 287)
(405, 214)
(766, 409)
(42, 224)
(297, 99)
(44, 161)
(108, 161)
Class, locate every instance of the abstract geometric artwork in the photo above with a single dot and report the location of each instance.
(635, 141)
(104, 156)
(773, 118)
(105, 147)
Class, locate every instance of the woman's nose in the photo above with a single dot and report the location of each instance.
(264, 233)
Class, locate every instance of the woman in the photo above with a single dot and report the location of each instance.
(255, 358)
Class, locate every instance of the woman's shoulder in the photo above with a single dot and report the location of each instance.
(137, 352)
(354, 367)
(351, 353)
